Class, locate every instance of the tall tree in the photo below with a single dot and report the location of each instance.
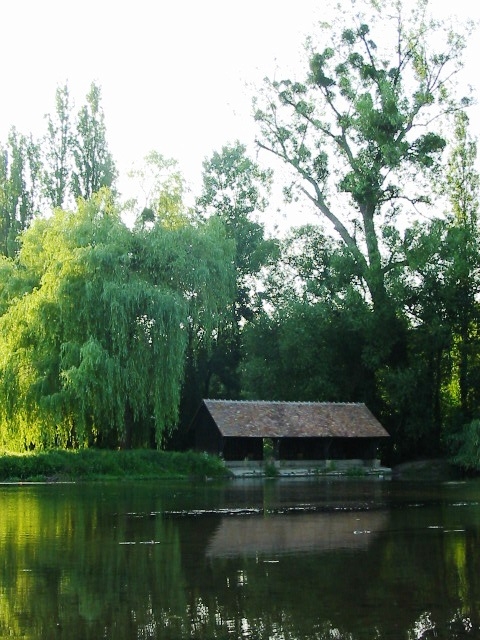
(435, 392)
(93, 352)
(463, 275)
(94, 166)
(58, 149)
(362, 125)
(20, 168)
(235, 191)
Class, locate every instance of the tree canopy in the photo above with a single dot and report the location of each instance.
(359, 132)
(364, 139)
(95, 326)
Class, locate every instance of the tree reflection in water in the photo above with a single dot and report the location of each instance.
(142, 561)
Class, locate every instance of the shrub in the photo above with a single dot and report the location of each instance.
(94, 463)
(467, 446)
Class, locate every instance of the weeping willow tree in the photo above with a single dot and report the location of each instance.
(95, 322)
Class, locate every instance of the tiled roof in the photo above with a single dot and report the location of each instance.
(261, 419)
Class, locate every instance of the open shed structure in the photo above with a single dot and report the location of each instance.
(238, 430)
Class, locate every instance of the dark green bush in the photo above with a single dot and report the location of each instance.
(466, 446)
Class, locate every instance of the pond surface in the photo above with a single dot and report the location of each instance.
(278, 560)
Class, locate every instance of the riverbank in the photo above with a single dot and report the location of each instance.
(93, 464)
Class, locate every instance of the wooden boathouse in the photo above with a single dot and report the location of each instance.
(315, 431)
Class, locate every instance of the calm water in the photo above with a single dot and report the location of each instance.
(280, 560)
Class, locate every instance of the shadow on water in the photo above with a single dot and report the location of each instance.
(297, 560)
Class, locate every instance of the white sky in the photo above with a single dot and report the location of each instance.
(173, 74)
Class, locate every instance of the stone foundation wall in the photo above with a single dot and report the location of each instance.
(302, 467)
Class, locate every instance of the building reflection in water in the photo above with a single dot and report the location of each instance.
(253, 535)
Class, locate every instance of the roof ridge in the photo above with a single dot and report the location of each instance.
(304, 402)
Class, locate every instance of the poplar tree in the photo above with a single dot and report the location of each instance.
(58, 146)
(94, 166)
(20, 168)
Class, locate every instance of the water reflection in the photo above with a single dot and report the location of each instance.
(311, 532)
(299, 561)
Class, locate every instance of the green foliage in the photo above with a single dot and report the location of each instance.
(307, 352)
(462, 180)
(355, 472)
(465, 446)
(361, 125)
(89, 464)
(441, 298)
(316, 344)
(19, 189)
(363, 140)
(94, 166)
(235, 190)
(163, 189)
(93, 351)
(71, 160)
(270, 470)
(57, 146)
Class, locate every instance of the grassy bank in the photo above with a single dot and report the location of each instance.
(91, 464)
